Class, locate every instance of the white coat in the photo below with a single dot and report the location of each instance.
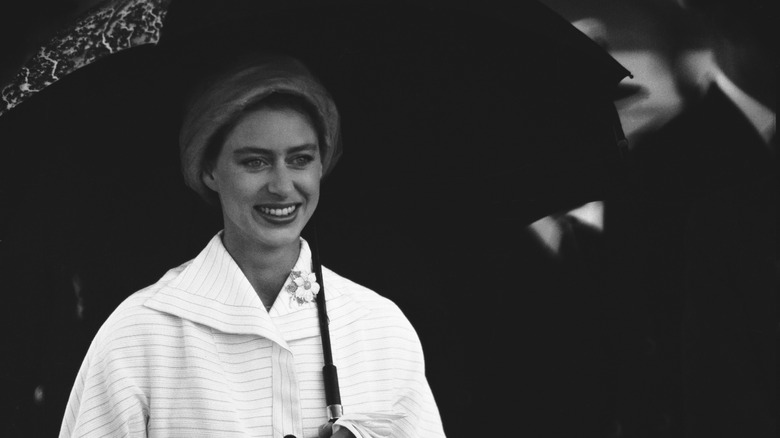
(197, 355)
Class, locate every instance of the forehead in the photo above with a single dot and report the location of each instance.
(272, 129)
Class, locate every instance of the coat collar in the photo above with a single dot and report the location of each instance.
(213, 291)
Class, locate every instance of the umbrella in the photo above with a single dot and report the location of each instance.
(463, 122)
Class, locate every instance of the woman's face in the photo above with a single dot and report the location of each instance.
(267, 176)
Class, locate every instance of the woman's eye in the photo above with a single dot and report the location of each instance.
(302, 160)
(253, 162)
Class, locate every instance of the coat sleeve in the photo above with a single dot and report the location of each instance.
(106, 399)
(415, 413)
(394, 351)
(414, 398)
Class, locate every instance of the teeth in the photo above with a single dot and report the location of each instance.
(278, 211)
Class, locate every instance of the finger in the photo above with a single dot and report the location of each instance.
(326, 430)
(342, 432)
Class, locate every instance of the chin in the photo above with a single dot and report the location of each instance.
(279, 239)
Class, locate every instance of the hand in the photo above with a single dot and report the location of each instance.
(326, 431)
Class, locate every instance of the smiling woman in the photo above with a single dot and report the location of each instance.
(229, 344)
(267, 177)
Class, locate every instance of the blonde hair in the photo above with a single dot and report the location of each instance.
(224, 99)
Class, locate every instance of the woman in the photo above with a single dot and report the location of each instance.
(228, 344)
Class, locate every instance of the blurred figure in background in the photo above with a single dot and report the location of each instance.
(703, 240)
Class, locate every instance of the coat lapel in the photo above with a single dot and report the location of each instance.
(213, 291)
(298, 321)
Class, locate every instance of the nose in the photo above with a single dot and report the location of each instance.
(280, 181)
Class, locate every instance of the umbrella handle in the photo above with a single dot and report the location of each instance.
(329, 371)
(332, 396)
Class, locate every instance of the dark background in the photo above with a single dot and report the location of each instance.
(654, 39)
(576, 321)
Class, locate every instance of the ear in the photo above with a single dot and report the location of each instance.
(207, 176)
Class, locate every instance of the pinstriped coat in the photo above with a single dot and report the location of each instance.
(197, 354)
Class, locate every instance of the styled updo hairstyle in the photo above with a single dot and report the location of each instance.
(255, 82)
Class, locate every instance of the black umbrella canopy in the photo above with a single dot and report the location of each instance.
(462, 123)
(441, 105)
(451, 115)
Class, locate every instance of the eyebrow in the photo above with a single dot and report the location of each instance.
(308, 147)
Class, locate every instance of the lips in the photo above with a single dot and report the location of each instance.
(283, 211)
(278, 213)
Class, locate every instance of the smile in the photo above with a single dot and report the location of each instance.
(279, 212)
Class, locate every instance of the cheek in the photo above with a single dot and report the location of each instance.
(309, 189)
(239, 187)
(311, 181)
(311, 186)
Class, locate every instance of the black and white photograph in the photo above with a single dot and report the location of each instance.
(389, 218)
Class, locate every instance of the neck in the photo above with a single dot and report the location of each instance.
(266, 268)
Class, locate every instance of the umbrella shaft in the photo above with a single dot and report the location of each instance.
(332, 395)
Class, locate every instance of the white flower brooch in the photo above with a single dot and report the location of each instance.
(303, 288)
